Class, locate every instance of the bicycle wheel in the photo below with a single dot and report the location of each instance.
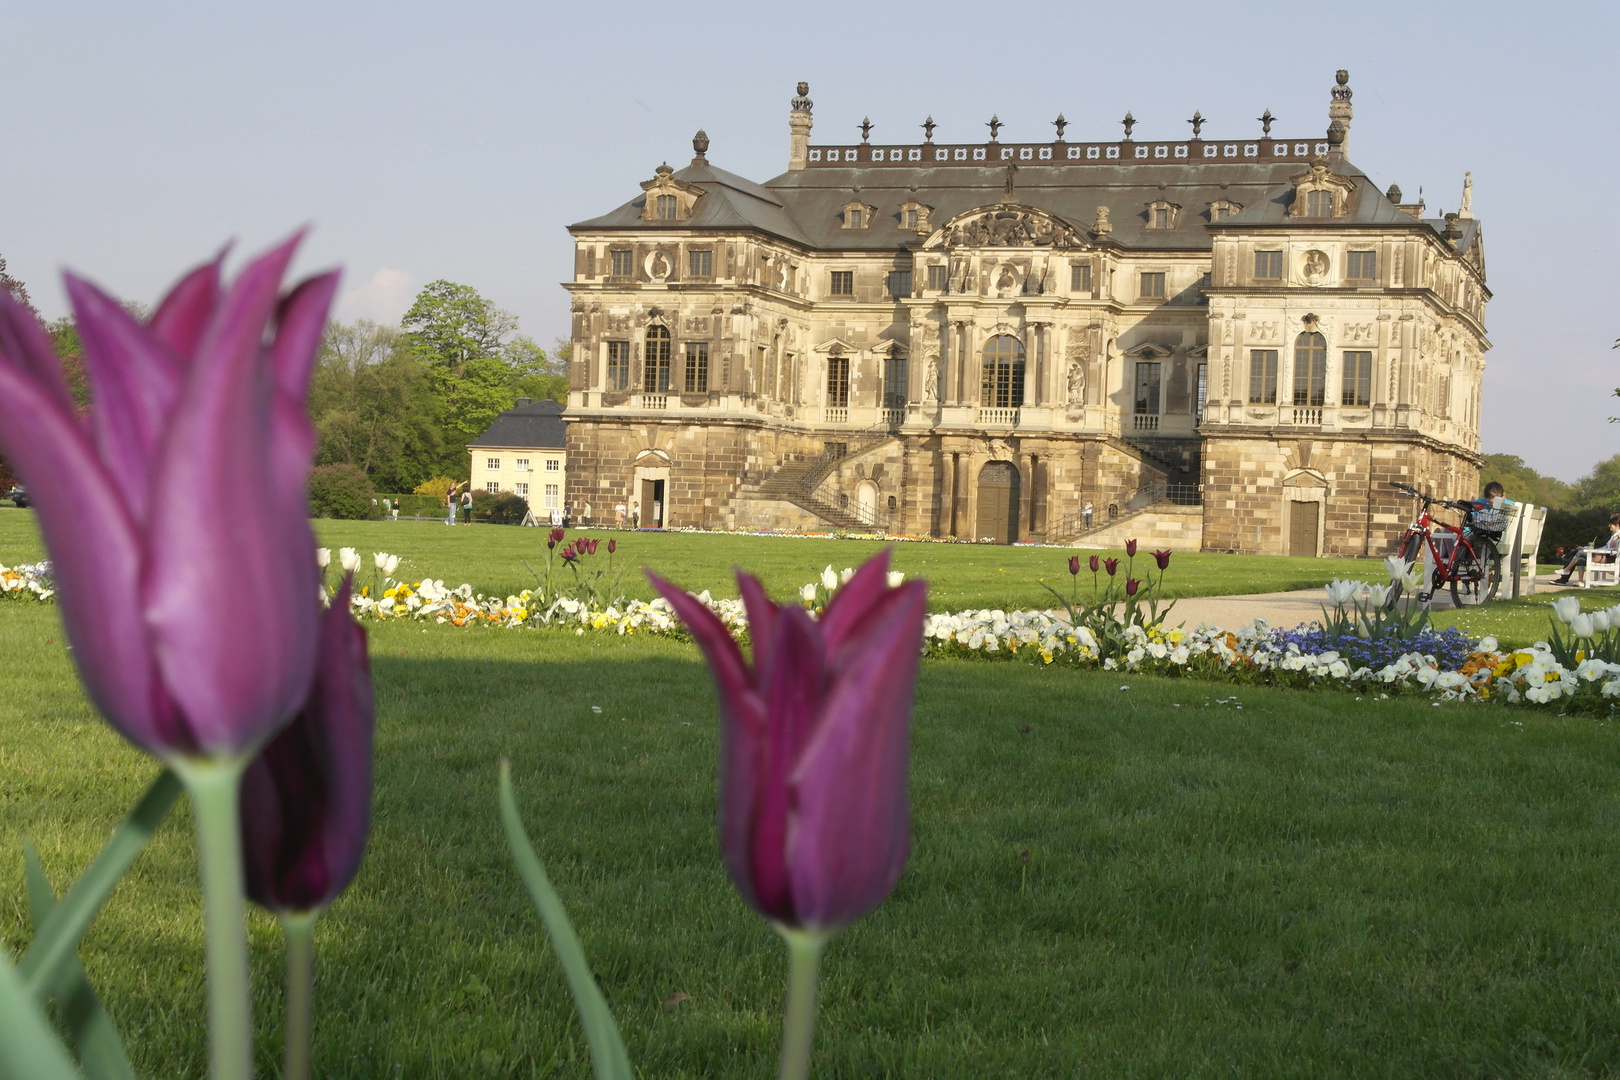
(1478, 577)
(1410, 551)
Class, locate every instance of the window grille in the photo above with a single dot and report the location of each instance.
(1080, 277)
(937, 279)
(900, 284)
(1002, 384)
(1268, 265)
(895, 369)
(624, 263)
(655, 367)
(1262, 376)
(1319, 204)
(838, 382)
(667, 207)
(1357, 379)
(1310, 370)
(697, 367)
(1152, 285)
(551, 465)
(843, 283)
(1361, 265)
(618, 365)
(700, 264)
(492, 464)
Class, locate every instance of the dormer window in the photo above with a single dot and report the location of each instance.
(668, 199)
(914, 217)
(1321, 194)
(668, 207)
(911, 219)
(857, 215)
(1221, 209)
(1162, 214)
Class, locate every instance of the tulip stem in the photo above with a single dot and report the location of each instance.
(213, 785)
(798, 1029)
(299, 929)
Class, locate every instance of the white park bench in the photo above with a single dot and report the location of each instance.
(1524, 523)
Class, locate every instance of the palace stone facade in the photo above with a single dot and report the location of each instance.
(976, 340)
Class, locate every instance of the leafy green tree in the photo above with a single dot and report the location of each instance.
(1600, 487)
(1524, 483)
(371, 400)
(449, 325)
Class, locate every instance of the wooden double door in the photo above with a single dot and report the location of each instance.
(998, 502)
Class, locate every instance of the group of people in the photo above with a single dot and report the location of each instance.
(1489, 515)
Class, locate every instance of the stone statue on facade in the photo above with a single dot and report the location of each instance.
(1077, 382)
(1466, 210)
(931, 381)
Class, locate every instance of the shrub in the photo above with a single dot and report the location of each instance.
(506, 508)
(438, 488)
(416, 505)
(342, 491)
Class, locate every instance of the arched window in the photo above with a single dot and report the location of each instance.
(655, 366)
(1310, 370)
(1003, 384)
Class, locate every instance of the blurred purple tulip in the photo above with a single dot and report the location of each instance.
(568, 554)
(815, 820)
(1074, 564)
(1094, 564)
(306, 799)
(187, 478)
(1130, 549)
(1162, 558)
(1131, 585)
(1111, 565)
(613, 545)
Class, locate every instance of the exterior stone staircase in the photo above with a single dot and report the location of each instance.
(800, 482)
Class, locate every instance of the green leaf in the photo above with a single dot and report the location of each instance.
(29, 1049)
(91, 1030)
(608, 1056)
(57, 939)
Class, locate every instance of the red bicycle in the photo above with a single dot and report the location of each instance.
(1463, 558)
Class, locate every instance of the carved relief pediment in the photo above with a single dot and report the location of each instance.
(1007, 225)
(836, 347)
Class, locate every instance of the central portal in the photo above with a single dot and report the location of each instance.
(998, 502)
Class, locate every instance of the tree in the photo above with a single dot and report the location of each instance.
(1524, 483)
(371, 400)
(1600, 487)
(450, 324)
(18, 291)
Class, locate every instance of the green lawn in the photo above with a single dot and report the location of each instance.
(1522, 622)
(492, 557)
(1306, 885)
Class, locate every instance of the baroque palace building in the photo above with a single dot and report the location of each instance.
(1243, 337)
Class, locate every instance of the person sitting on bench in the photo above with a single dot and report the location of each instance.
(1607, 553)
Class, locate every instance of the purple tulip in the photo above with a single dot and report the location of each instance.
(568, 554)
(1074, 564)
(815, 820)
(1162, 558)
(306, 799)
(1131, 585)
(1111, 565)
(187, 477)
(613, 545)
(1094, 564)
(1130, 549)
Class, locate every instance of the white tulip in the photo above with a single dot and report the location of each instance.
(895, 578)
(1397, 568)
(323, 557)
(829, 580)
(349, 559)
(808, 593)
(391, 565)
(849, 572)
(379, 559)
(1340, 593)
(1581, 625)
(1600, 621)
(1566, 608)
(1378, 595)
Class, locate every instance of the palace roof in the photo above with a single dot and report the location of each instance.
(534, 424)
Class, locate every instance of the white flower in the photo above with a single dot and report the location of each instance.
(1600, 622)
(1397, 567)
(379, 559)
(349, 559)
(1341, 592)
(849, 572)
(391, 565)
(808, 593)
(829, 580)
(895, 578)
(1581, 625)
(1377, 595)
(1566, 608)
(323, 556)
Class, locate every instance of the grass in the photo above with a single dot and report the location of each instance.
(1220, 882)
(1522, 622)
(492, 558)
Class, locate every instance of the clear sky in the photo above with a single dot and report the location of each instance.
(458, 140)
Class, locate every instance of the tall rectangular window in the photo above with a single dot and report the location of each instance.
(1161, 217)
(523, 490)
(843, 283)
(894, 382)
(700, 263)
(1152, 286)
(1319, 203)
(655, 364)
(857, 219)
(1361, 267)
(911, 219)
(1147, 387)
(838, 382)
(1262, 376)
(1268, 265)
(1310, 371)
(551, 497)
(937, 278)
(1357, 379)
(697, 367)
(618, 366)
(667, 207)
(900, 283)
(624, 263)
(1203, 392)
(1080, 277)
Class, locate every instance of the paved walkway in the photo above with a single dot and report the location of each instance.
(1284, 609)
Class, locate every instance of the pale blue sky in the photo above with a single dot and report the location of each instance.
(458, 140)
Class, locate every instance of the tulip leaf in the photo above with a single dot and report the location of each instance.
(57, 940)
(608, 1056)
(29, 1049)
(91, 1030)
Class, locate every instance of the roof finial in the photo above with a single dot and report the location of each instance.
(994, 125)
(1266, 120)
(1129, 122)
(1339, 113)
(802, 102)
(700, 143)
(1060, 124)
(1198, 123)
(928, 127)
(866, 128)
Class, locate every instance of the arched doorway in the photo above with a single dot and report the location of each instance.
(866, 498)
(998, 502)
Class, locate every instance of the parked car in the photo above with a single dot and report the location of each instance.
(19, 495)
